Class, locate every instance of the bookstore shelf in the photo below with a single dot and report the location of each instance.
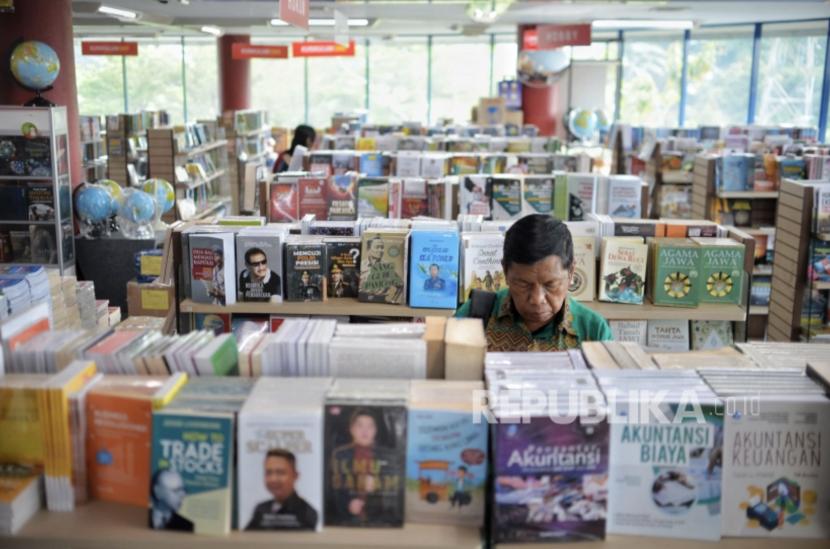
(748, 194)
(196, 151)
(757, 310)
(649, 311)
(335, 307)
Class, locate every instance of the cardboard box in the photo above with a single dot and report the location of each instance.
(151, 299)
(434, 338)
(514, 117)
(491, 110)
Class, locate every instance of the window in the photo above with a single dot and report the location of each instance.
(278, 86)
(336, 84)
(202, 75)
(460, 76)
(100, 83)
(505, 57)
(790, 74)
(718, 73)
(154, 79)
(652, 64)
(398, 80)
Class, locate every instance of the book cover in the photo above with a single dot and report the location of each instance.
(372, 197)
(583, 282)
(538, 194)
(371, 164)
(482, 268)
(721, 270)
(343, 266)
(551, 481)
(342, 198)
(675, 272)
(284, 206)
(342, 163)
(365, 464)
(623, 270)
(821, 214)
(320, 163)
(474, 195)
(190, 488)
(737, 172)
(624, 196)
(212, 270)
(383, 266)
(218, 323)
(463, 164)
(408, 164)
(312, 199)
(258, 265)
(395, 198)
(665, 478)
(41, 202)
(304, 275)
(434, 166)
(791, 168)
(669, 335)
(414, 199)
(711, 334)
(433, 269)
(629, 331)
(506, 197)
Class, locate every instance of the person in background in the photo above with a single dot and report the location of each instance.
(303, 135)
(535, 312)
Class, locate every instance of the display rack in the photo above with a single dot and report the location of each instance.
(35, 186)
(342, 306)
(93, 149)
(198, 171)
(674, 185)
(247, 132)
(127, 145)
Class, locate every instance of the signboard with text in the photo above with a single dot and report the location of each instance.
(550, 37)
(322, 49)
(294, 12)
(109, 48)
(252, 51)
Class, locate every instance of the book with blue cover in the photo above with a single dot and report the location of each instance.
(433, 269)
(190, 488)
(371, 164)
(737, 172)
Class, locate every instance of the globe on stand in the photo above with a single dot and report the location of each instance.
(35, 66)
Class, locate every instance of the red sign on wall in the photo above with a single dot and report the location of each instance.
(109, 48)
(251, 51)
(295, 12)
(549, 37)
(322, 49)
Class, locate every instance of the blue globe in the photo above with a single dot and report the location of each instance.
(138, 208)
(602, 120)
(35, 65)
(582, 123)
(163, 192)
(93, 204)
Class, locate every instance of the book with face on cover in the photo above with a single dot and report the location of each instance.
(259, 265)
(383, 266)
(433, 270)
(212, 268)
(305, 261)
(343, 265)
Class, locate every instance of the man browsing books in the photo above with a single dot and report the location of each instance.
(535, 312)
(257, 282)
(287, 510)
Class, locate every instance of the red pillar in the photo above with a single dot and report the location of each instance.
(539, 103)
(49, 21)
(234, 88)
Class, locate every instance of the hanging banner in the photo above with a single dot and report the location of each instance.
(294, 12)
(252, 51)
(322, 49)
(109, 48)
(550, 37)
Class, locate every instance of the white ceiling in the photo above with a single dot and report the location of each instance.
(401, 17)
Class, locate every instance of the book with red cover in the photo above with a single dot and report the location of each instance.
(283, 202)
(313, 199)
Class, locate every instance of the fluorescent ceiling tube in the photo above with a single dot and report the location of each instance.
(117, 12)
(642, 24)
(215, 31)
(323, 23)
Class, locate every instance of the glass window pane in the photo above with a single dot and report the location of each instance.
(202, 73)
(154, 79)
(460, 77)
(336, 84)
(100, 83)
(505, 58)
(277, 86)
(651, 79)
(719, 68)
(790, 74)
(398, 81)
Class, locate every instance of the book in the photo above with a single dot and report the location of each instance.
(446, 458)
(538, 194)
(304, 270)
(219, 357)
(371, 164)
(395, 198)
(506, 197)
(711, 334)
(342, 162)
(433, 269)
(821, 210)
(312, 197)
(623, 270)
(212, 268)
(474, 195)
(408, 164)
(191, 483)
(736, 173)
(414, 198)
(342, 266)
(583, 282)
(721, 270)
(258, 265)
(383, 266)
(574, 196)
(342, 198)
(365, 459)
(463, 164)
(630, 330)
(668, 335)
(283, 200)
(481, 263)
(465, 349)
(372, 197)
(434, 166)
(280, 448)
(624, 196)
(791, 168)
(41, 202)
(20, 496)
(442, 200)
(674, 272)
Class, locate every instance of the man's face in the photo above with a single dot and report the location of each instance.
(259, 266)
(538, 290)
(433, 271)
(305, 278)
(170, 491)
(217, 259)
(336, 277)
(376, 249)
(280, 477)
(363, 431)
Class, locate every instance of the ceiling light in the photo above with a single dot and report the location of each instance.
(215, 31)
(322, 23)
(118, 12)
(642, 24)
